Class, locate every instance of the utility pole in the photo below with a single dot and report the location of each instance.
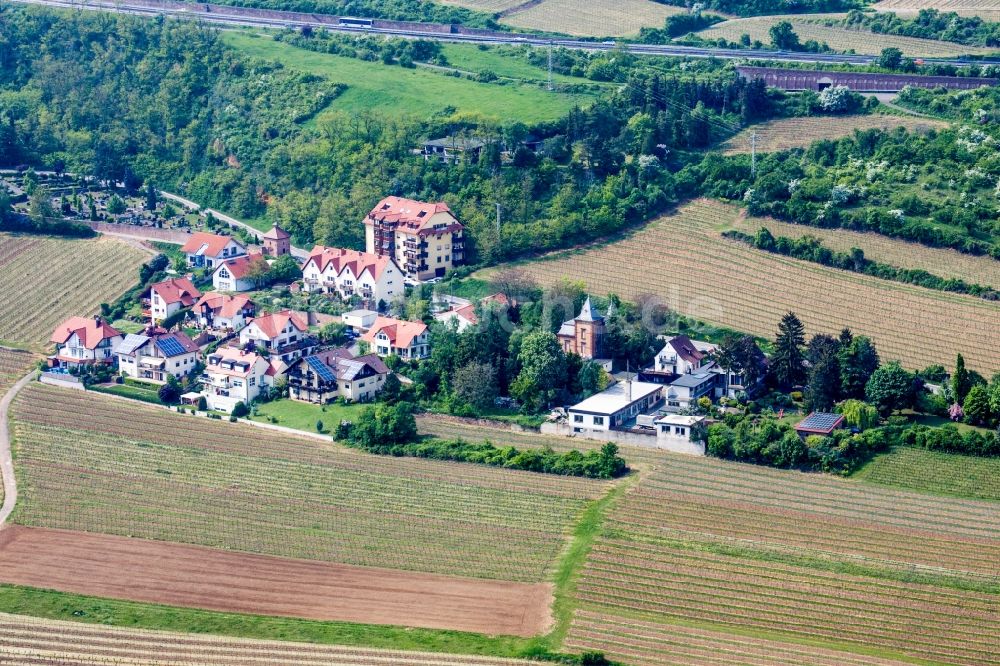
(550, 66)
(753, 154)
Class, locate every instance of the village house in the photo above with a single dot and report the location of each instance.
(681, 434)
(276, 242)
(232, 375)
(336, 373)
(223, 312)
(452, 149)
(284, 335)
(359, 321)
(375, 279)
(157, 355)
(169, 296)
(393, 337)
(206, 250)
(465, 316)
(424, 239)
(239, 274)
(615, 407)
(584, 334)
(84, 341)
(688, 369)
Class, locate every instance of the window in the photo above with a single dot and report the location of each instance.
(598, 420)
(679, 431)
(578, 418)
(252, 381)
(673, 403)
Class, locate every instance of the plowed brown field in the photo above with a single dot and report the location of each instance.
(192, 576)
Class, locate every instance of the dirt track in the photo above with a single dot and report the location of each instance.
(193, 576)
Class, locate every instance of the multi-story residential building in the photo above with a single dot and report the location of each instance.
(169, 296)
(238, 274)
(232, 375)
(584, 335)
(424, 239)
(203, 249)
(325, 376)
(84, 341)
(223, 312)
(376, 280)
(157, 355)
(285, 336)
(393, 337)
(681, 355)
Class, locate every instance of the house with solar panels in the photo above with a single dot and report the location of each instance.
(336, 373)
(156, 355)
(233, 375)
(819, 423)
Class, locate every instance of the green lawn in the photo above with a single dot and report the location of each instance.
(507, 63)
(420, 92)
(935, 472)
(304, 415)
(95, 610)
(129, 391)
(128, 326)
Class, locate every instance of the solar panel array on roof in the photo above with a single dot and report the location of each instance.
(170, 346)
(320, 368)
(820, 421)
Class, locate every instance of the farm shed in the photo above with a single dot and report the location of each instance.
(819, 423)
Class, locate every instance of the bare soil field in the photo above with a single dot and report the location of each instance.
(839, 38)
(698, 273)
(787, 133)
(594, 18)
(988, 10)
(32, 641)
(197, 577)
(151, 473)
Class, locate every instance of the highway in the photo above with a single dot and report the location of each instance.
(244, 17)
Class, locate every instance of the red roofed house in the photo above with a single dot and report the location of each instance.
(239, 274)
(681, 355)
(375, 279)
(465, 315)
(233, 375)
(205, 249)
(424, 239)
(83, 341)
(223, 312)
(276, 242)
(169, 296)
(285, 335)
(393, 337)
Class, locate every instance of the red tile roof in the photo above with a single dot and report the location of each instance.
(223, 305)
(341, 259)
(276, 233)
(177, 290)
(412, 215)
(400, 333)
(685, 349)
(272, 324)
(239, 267)
(90, 330)
(213, 243)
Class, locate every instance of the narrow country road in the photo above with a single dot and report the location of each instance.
(297, 252)
(6, 461)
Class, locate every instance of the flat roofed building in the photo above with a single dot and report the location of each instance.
(681, 433)
(615, 406)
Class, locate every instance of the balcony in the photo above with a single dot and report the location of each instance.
(217, 382)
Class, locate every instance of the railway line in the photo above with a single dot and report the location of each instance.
(246, 17)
